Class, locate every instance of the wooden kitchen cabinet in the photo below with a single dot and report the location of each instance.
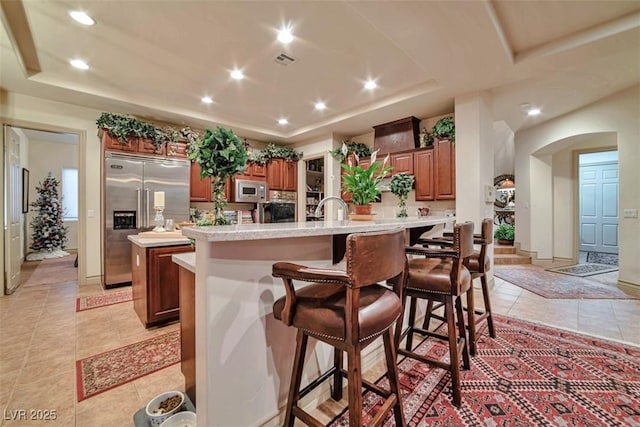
(444, 169)
(200, 190)
(423, 168)
(282, 175)
(254, 171)
(155, 283)
(402, 162)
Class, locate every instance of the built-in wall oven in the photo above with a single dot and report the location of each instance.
(281, 207)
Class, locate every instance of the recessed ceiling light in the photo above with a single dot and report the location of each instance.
(82, 17)
(207, 100)
(285, 36)
(79, 64)
(370, 85)
(283, 121)
(237, 74)
(320, 105)
(534, 112)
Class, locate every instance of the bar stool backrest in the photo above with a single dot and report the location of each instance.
(375, 257)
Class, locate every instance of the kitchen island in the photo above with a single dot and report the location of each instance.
(243, 354)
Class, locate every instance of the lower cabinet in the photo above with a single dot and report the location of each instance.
(155, 283)
(188, 331)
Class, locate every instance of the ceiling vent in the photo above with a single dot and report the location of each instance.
(284, 59)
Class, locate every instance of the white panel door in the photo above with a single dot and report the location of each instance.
(599, 207)
(13, 213)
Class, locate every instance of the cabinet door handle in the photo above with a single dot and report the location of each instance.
(138, 210)
(147, 221)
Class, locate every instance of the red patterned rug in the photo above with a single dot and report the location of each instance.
(560, 286)
(96, 301)
(529, 375)
(104, 371)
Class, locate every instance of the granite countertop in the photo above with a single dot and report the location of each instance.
(302, 229)
(186, 260)
(154, 242)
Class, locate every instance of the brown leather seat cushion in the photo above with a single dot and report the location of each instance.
(434, 275)
(473, 262)
(320, 309)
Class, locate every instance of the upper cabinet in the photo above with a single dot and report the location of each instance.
(423, 166)
(402, 162)
(176, 149)
(200, 190)
(435, 171)
(282, 175)
(445, 169)
(254, 171)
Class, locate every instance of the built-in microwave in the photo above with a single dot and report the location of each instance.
(250, 191)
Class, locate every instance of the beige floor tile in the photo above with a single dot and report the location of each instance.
(12, 364)
(37, 368)
(55, 392)
(117, 406)
(151, 385)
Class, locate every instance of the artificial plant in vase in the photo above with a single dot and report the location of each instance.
(220, 154)
(401, 185)
(363, 183)
(49, 232)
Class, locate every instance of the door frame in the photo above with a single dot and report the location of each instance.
(576, 192)
(82, 138)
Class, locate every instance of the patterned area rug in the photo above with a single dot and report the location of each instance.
(584, 270)
(96, 301)
(559, 286)
(104, 371)
(602, 258)
(529, 375)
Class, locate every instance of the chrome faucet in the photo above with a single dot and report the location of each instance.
(323, 201)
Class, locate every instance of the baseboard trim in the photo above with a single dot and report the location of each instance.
(628, 285)
(91, 280)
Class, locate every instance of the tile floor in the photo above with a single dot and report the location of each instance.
(41, 337)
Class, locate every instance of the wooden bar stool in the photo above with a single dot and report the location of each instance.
(479, 264)
(347, 310)
(440, 275)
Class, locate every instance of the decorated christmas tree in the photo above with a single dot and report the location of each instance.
(49, 232)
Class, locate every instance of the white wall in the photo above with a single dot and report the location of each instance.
(45, 157)
(22, 108)
(617, 114)
(503, 150)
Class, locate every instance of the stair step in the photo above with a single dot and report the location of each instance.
(504, 249)
(511, 259)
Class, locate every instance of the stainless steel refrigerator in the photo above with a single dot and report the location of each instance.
(129, 185)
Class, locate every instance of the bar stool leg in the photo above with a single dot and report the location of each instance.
(296, 377)
(427, 316)
(412, 322)
(471, 319)
(354, 377)
(453, 350)
(336, 393)
(487, 305)
(392, 375)
(466, 362)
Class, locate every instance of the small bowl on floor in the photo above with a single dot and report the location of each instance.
(163, 406)
(181, 419)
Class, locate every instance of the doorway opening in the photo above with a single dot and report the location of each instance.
(314, 182)
(598, 207)
(30, 155)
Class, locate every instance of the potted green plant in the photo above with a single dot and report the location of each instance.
(504, 234)
(358, 148)
(220, 154)
(363, 183)
(444, 128)
(401, 185)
